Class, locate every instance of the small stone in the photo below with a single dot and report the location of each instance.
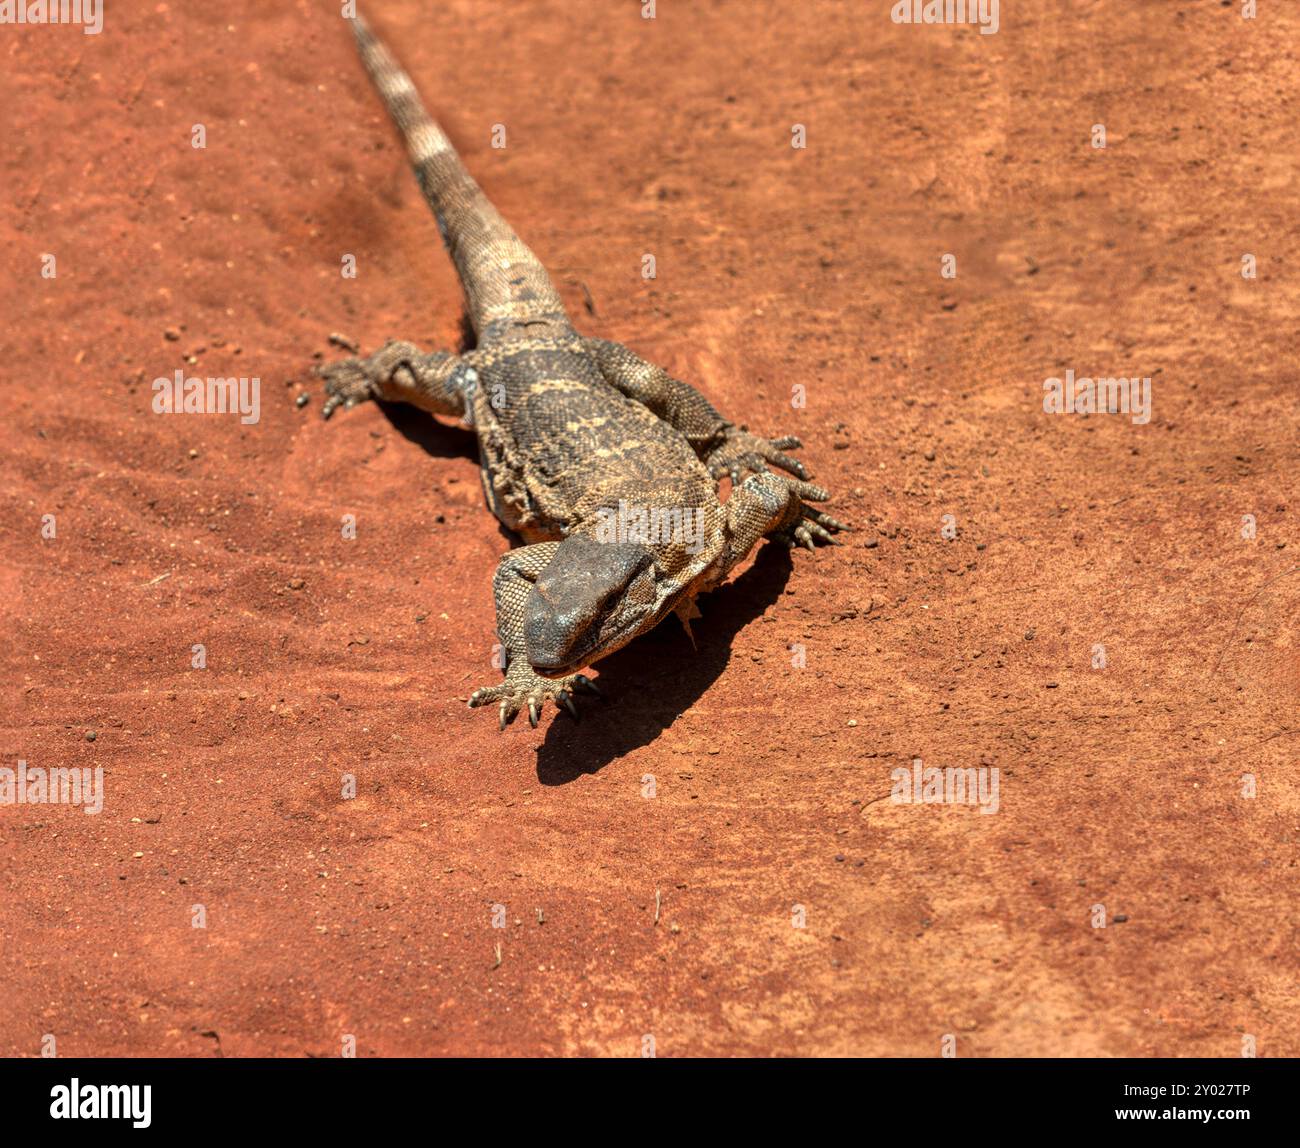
(172, 335)
(296, 583)
(91, 735)
(303, 399)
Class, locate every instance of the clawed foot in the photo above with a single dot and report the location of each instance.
(382, 375)
(744, 453)
(347, 382)
(813, 525)
(524, 688)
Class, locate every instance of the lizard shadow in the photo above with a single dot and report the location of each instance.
(436, 439)
(650, 683)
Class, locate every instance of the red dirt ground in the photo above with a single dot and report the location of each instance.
(1120, 787)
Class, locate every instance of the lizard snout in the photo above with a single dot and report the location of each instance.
(583, 602)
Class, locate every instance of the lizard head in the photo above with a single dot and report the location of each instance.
(592, 598)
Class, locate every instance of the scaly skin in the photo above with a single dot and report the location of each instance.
(571, 429)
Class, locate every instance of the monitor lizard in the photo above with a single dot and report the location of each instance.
(607, 466)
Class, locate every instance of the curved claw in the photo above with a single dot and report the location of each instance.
(823, 519)
(584, 683)
(802, 537)
(524, 690)
(810, 528)
(815, 530)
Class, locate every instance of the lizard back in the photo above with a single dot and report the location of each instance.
(559, 442)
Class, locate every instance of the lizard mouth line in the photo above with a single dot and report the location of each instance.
(604, 645)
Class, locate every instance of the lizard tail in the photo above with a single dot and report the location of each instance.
(505, 283)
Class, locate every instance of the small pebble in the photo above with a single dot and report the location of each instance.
(303, 399)
(91, 735)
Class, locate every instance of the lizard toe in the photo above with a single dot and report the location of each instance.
(346, 384)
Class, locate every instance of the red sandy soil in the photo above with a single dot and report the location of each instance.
(1120, 787)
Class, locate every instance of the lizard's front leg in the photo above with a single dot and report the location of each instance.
(767, 504)
(435, 381)
(523, 686)
(727, 450)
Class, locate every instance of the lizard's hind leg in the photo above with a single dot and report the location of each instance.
(434, 381)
